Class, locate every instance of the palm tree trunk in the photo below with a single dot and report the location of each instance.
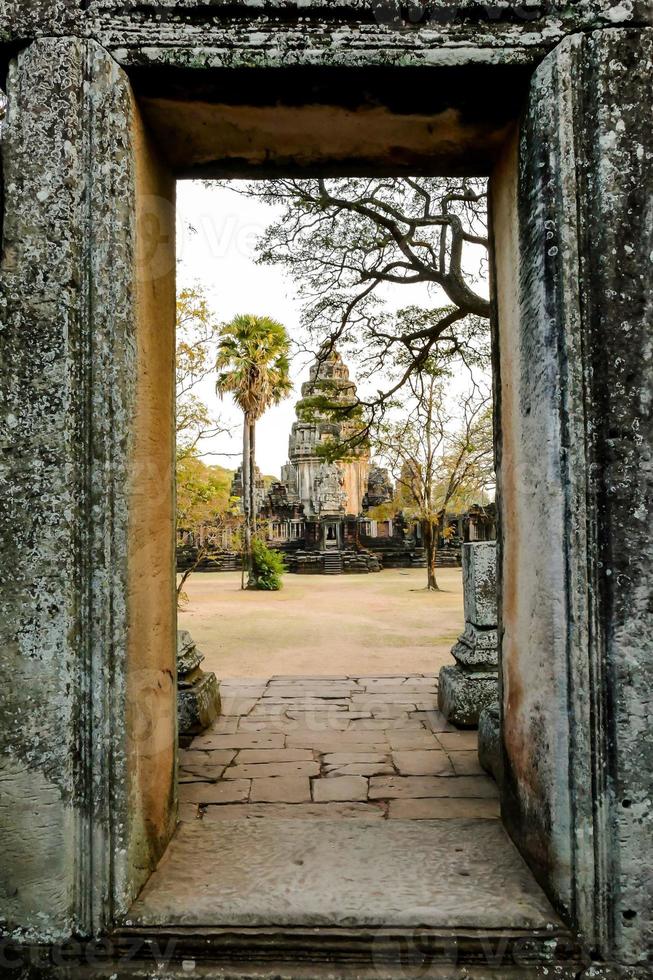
(247, 542)
(430, 533)
(252, 489)
(252, 474)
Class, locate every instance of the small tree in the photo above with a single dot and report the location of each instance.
(438, 457)
(198, 336)
(267, 566)
(253, 366)
(205, 510)
(202, 492)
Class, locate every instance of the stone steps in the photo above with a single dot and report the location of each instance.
(333, 563)
(352, 899)
(346, 954)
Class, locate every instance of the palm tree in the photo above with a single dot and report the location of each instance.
(253, 366)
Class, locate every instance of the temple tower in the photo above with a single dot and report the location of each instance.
(326, 489)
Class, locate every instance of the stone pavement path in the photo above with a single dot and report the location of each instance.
(330, 747)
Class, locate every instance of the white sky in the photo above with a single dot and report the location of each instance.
(218, 254)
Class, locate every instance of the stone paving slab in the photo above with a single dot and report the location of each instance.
(340, 789)
(341, 742)
(418, 740)
(413, 787)
(225, 725)
(348, 758)
(421, 763)
(216, 757)
(385, 724)
(433, 720)
(269, 770)
(225, 791)
(232, 705)
(328, 742)
(344, 873)
(200, 773)
(282, 789)
(305, 703)
(241, 740)
(466, 763)
(359, 769)
(307, 678)
(458, 741)
(443, 809)
(320, 720)
(292, 811)
(250, 756)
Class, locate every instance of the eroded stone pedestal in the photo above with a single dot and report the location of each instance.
(471, 684)
(198, 692)
(489, 741)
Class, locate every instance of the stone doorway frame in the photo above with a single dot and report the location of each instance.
(85, 190)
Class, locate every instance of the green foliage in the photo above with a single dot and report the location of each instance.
(332, 450)
(267, 567)
(197, 340)
(253, 363)
(202, 492)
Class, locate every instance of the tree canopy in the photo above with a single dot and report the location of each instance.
(253, 363)
(345, 240)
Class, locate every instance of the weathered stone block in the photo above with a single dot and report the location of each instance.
(489, 740)
(198, 693)
(479, 583)
(463, 694)
(472, 683)
(188, 656)
(477, 649)
(199, 705)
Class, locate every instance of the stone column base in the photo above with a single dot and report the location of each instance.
(198, 705)
(489, 741)
(462, 695)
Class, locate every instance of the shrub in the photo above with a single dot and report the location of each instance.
(267, 567)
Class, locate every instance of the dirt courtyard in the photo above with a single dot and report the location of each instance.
(318, 625)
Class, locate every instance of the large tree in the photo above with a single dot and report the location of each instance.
(345, 240)
(439, 451)
(253, 366)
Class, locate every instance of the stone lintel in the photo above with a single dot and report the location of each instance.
(471, 30)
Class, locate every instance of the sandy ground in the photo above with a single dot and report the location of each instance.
(382, 623)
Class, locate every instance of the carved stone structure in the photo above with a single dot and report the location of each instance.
(472, 683)
(326, 489)
(108, 103)
(198, 692)
(316, 513)
(489, 741)
(259, 486)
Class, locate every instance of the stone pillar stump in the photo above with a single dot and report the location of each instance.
(471, 684)
(198, 691)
